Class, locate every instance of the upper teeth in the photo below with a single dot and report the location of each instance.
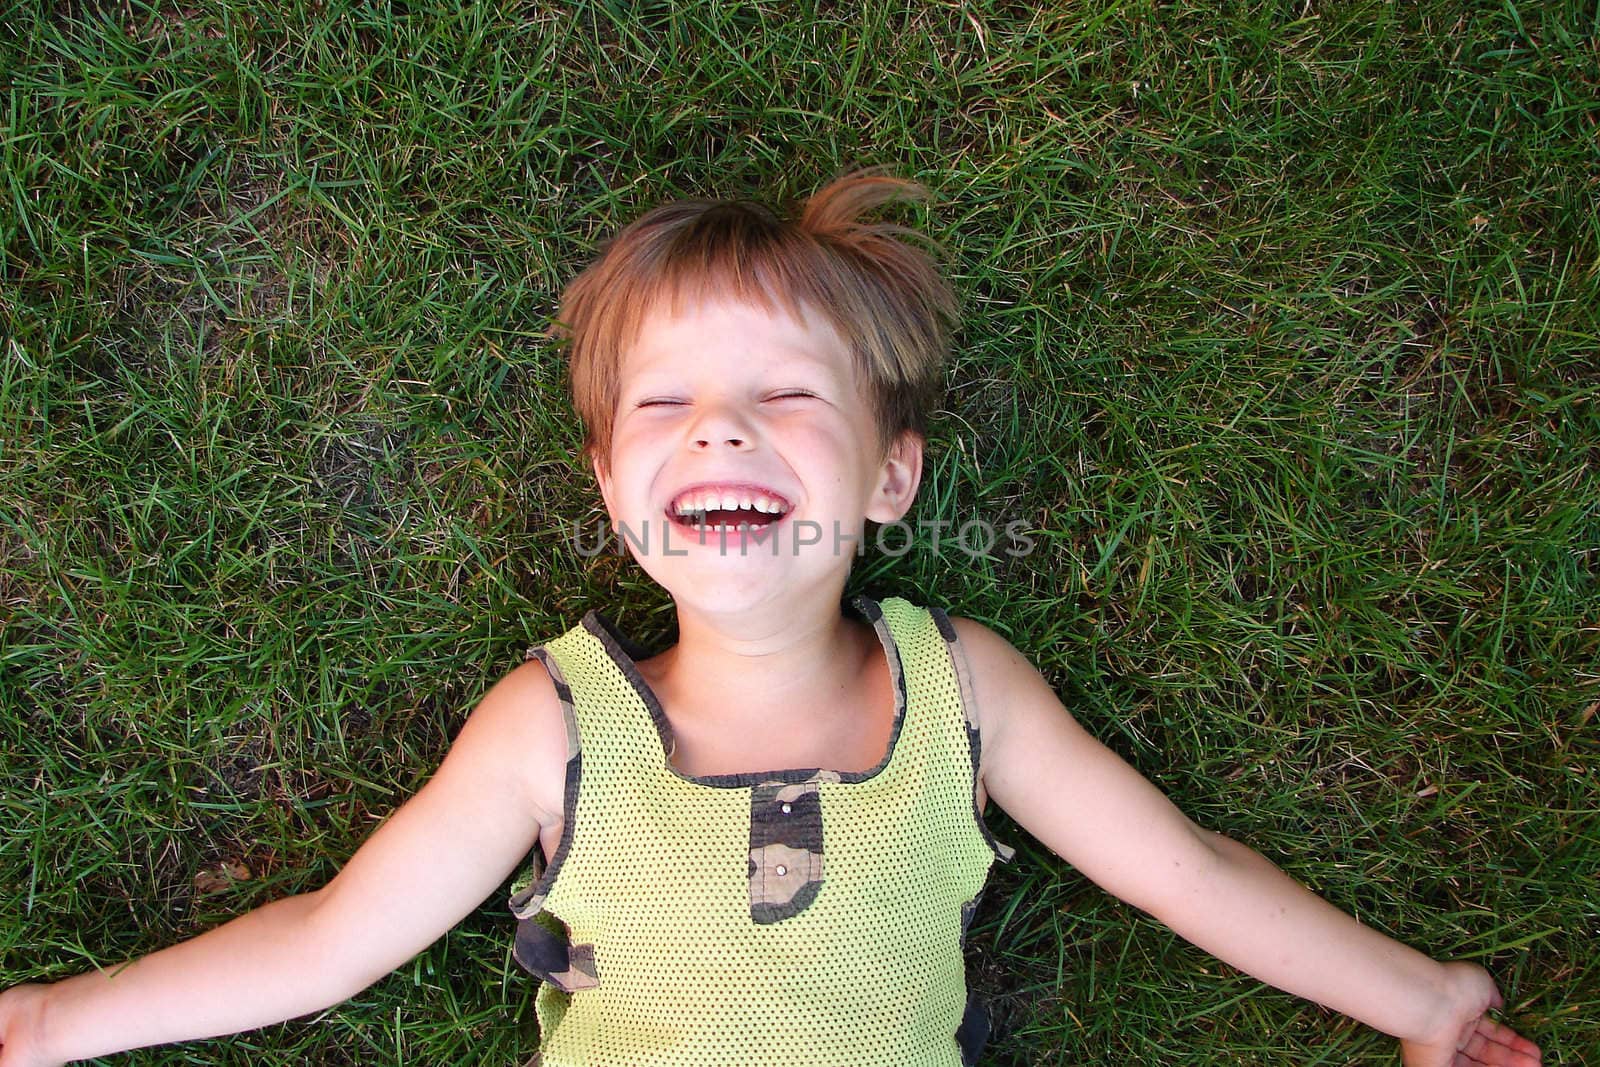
(711, 500)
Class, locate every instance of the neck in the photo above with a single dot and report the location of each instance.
(784, 652)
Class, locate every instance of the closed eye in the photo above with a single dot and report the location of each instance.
(666, 401)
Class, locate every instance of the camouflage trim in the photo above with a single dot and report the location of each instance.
(958, 662)
(968, 910)
(970, 712)
(973, 1033)
(530, 889)
(544, 952)
(785, 865)
(873, 612)
(541, 945)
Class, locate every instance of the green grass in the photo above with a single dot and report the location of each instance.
(1279, 333)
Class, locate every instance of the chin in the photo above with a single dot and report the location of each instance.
(719, 594)
(730, 592)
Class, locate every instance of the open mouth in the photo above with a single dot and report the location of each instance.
(723, 521)
(727, 511)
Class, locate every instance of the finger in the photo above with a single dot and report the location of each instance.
(1480, 1049)
(1487, 1056)
(1504, 1035)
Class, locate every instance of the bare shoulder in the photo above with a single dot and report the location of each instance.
(987, 650)
(518, 733)
(1064, 787)
(1020, 717)
(1000, 676)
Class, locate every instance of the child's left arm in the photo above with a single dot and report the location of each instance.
(1077, 797)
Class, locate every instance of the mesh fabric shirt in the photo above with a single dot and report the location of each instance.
(797, 917)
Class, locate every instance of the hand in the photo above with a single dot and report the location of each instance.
(22, 1026)
(1465, 1036)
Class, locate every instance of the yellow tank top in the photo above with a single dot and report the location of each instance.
(800, 917)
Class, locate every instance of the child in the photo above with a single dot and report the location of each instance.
(764, 842)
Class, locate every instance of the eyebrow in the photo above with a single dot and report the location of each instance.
(806, 367)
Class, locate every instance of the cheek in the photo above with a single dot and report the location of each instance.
(642, 442)
(837, 463)
(815, 442)
(632, 474)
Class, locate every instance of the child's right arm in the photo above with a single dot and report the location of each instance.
(420, 873)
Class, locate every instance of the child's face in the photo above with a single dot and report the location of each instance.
(728, 400)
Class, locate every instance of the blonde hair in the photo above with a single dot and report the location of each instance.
(883, 296)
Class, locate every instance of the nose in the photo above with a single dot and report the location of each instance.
(717, 425)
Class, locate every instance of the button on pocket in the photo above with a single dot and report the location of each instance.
(785, 847)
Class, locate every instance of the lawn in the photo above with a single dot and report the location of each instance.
(1279, 336)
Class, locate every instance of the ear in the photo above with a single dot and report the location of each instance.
(602, 477)
(898, 478)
